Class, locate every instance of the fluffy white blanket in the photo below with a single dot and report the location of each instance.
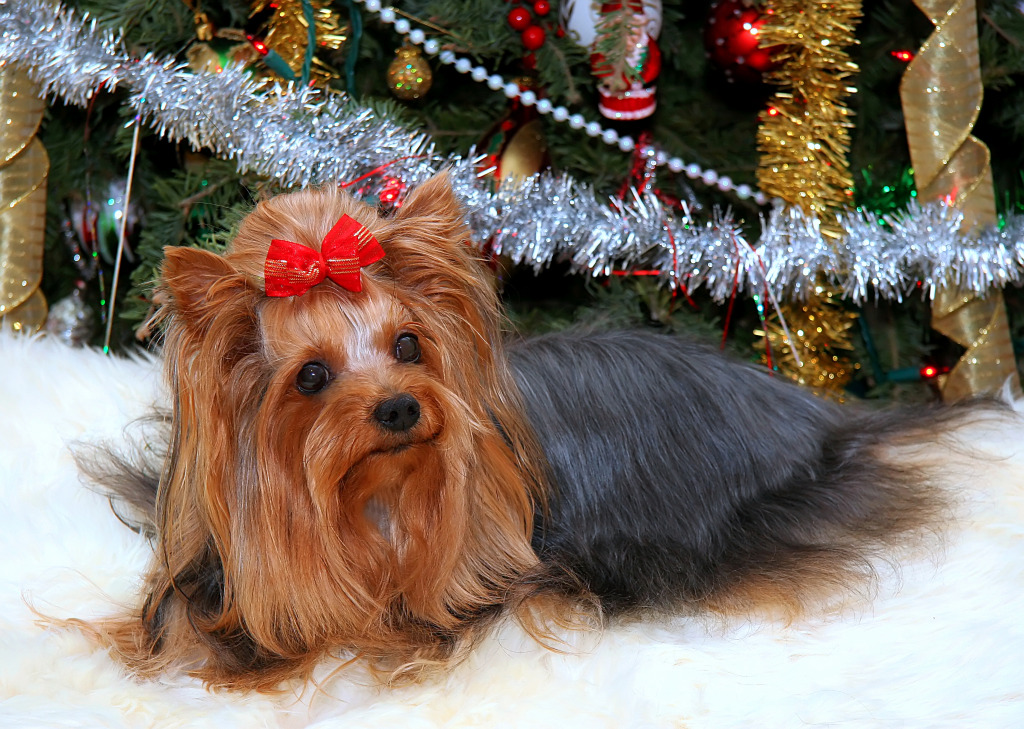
(941, 645)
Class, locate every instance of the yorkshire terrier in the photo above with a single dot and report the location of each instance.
(359, 463)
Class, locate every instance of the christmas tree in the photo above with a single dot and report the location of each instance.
(619, 160)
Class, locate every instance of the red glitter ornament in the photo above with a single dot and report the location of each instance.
(519, 18)
(533, 37)
(731, 39)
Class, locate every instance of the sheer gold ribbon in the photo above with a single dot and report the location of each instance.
(941, 93)
(23, 169)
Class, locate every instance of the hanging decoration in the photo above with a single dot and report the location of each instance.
(521, 20)
(580, 19)
(296, 29)
(804, 134)
(941, 92)
(71, 320)
(803, 139)
(215, 47)
(622, 37)
(23, 169)
(626, 58)
(409, 75)
(514, 149)
(732, 40)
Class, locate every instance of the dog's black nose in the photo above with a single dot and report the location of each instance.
(398, 413)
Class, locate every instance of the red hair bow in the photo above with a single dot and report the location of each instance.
(293, 269)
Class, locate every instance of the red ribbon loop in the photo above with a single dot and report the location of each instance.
(293, 269)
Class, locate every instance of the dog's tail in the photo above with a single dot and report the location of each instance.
(687, 480)
(128, 472)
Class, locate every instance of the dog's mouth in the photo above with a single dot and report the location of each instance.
(397, 444)
(389, 456)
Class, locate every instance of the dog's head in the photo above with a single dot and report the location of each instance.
(349, 469)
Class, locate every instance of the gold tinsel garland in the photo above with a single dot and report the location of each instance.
(287, 32)
(803, 139)
(804, 134)
(822, 329)
(941, 92)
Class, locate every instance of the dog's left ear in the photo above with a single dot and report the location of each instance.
(429, 250)
(433, 198)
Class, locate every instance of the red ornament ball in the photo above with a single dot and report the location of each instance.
(392, 191)
(542, 7)
(731, 39)
(533, 37)
(519, 18)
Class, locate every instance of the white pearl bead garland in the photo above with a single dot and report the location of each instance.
(559, 113)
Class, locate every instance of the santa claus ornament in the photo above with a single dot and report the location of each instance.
(622, 36)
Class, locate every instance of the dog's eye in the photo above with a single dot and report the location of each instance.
(312, 378)
(407, 348)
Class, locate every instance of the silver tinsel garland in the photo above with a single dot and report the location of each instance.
(303, 137)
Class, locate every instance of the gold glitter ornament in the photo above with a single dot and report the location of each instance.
(409, 75)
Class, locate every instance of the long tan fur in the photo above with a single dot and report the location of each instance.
(290, 525)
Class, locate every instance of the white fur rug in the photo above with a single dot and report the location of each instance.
(942, 646)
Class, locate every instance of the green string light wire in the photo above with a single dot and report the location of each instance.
(307, 62)
(356, 34)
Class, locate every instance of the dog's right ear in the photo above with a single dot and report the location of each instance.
(199, 283)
